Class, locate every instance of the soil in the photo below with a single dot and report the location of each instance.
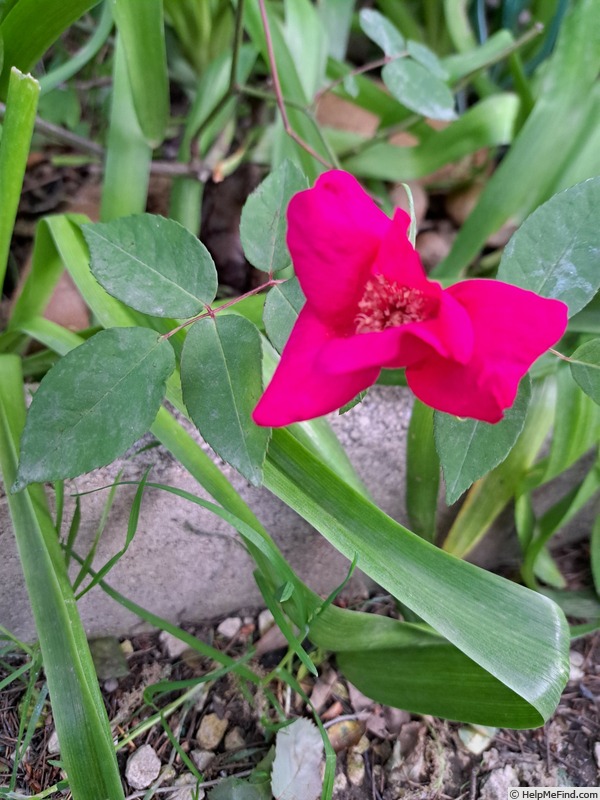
(382, 753)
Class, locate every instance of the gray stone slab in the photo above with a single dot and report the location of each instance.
(185, 564)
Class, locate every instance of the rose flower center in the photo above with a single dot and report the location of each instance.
(387, 304)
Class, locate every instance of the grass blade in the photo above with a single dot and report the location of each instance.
(78, 709)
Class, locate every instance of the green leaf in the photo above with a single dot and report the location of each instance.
(87, 750)
(152, 264)
(585, 368)
(31, 26)
(141, 28)
(427, 58)
(555, 251)
(17, 129)
(553, 135)
(422, 472)
(381, 31)
(418, 89)
(263, 226)
(94, 404)
(468, 449)
(282, 307)
(221, 380)
(511, 632)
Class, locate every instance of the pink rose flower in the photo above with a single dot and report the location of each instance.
(370, 305)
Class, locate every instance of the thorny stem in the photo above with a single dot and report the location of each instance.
(279, 95)
(211, 312)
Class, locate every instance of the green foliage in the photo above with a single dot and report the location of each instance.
(585, 368)
(152, 264)
(87, 750)
(80, 418)
(221, 378)
(469, 449)
(282, 307)
(263, 226)
(555, 251)
(413, 85)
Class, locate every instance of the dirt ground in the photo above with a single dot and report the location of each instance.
(382, 753)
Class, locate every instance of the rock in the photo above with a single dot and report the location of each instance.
(189, 788)
(202, 758)
(211, 731)
(111, 685)
(265, 621)
(142, 767)
(235, 739)
(175, 647)
(53, 745)
(576, 662)
(498, 783)
(345, 734)
(126, 647)
(340, 784)
(355, 767)
(229, 627)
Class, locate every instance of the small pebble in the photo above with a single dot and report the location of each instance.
(202, 758)
(340, 784)
(229, 627)
(126, 647)
(355, 767)
(576, 662)
(111, 685)
(345, 734)
(265, 621)
(597, 754)
(189, 788)
(234, 739)
(53, 745)
(174, 646)
(142, 768)
(211, 731)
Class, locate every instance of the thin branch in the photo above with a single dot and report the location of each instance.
(211, 312)
(63, 135)
(380, 62)
(279, 95)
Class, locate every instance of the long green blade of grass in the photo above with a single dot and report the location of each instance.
(14, 148)
(31, 26)
(87, 750)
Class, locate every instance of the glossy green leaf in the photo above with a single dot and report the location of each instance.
(87, 751)
(585, 368)
(94, 404)
(427, 58)
(553, 134)
(222, 383)
(576, 426)
(263, 226)
(422, 472)
(418, 89)
(282, 307)
(506, 629)
(17, 130)
(555, 251)
(381, 31)
(468, 449)
(31, 26)
(141, 29)
(488, 124)
(152, 264)
(128, 154)
(490, 495)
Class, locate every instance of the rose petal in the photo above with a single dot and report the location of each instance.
(334, 233)
(299, 389)
(512, 328)
(397, 259)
